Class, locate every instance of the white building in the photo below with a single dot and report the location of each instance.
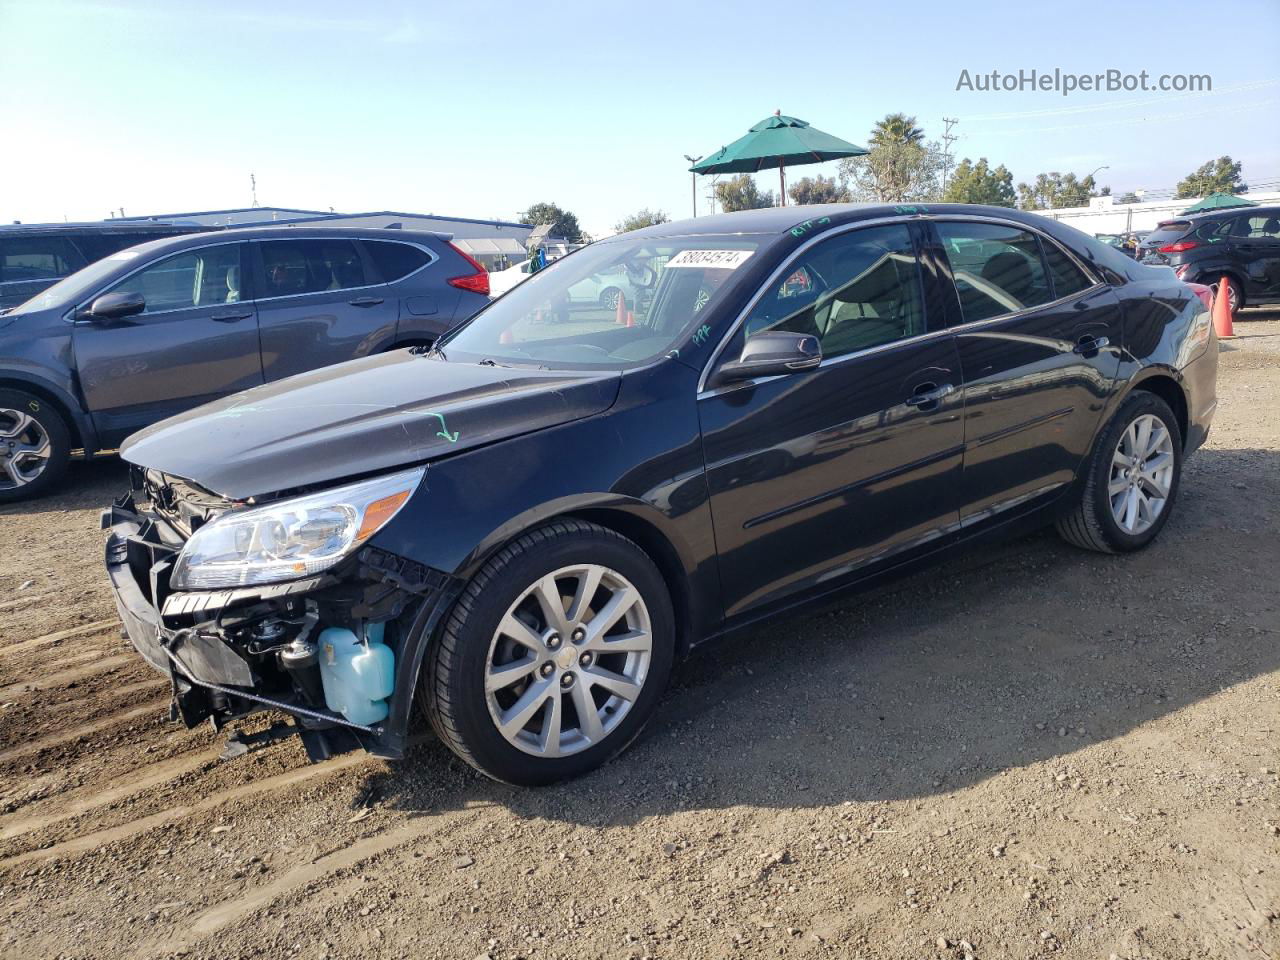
(1104, 215)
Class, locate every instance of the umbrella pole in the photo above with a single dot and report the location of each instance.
(782, 183)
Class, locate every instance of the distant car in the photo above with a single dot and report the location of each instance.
(153, 330)
(34, 257)
(603, 291)
(1242, 245)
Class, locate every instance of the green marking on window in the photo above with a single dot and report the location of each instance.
(914, 208)
(700, 337)
(800, 229)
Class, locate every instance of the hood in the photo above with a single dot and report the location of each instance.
(362, 416)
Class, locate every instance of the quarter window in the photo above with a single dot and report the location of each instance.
(40, 258)
(997, 269)
(395, 260)
(1067, 277)
(853, 292)
(197, 278)
(309, 266)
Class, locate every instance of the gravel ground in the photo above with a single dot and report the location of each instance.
(1028, 752)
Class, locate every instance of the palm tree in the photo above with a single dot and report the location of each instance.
(896, 128)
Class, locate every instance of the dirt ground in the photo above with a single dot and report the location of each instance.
(1030, 752)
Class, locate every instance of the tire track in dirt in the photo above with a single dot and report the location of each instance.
(67, 736)
(22, 646)
(63, 677)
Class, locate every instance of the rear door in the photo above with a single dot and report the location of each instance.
(197, 340)
(817, 475)
(321, 302)
(1039, 345)
(1257, 241)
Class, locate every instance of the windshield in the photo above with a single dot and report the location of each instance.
(70, 290)
(609, 305)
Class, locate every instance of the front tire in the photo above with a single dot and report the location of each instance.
(1131, 481)
(554, 657)
(35, 445)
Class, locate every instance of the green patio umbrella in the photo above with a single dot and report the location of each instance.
(780, 142)
(1217, 201)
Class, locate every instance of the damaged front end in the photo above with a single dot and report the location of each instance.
(337, 647)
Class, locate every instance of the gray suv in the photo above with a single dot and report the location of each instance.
(153, 330)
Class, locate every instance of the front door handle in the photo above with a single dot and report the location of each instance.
(927, 395)
(229, 317)
(365, 301)
(1087, 346)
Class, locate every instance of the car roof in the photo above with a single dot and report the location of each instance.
(780, 220)
(291, 233)
(109, 227)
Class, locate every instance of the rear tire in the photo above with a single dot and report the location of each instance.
(35, 445)
(530, 697)
(1235, 294)
(1119, 508)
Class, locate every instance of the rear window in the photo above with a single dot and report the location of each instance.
(37, 258)
(1168, 232)
(395, 260)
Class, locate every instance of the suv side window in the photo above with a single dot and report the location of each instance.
(997, 269)
(1066, 276)
(858, 290)
(292, 267)
(39, 258)
(1264, 226)
(194, 278)
(395, 260)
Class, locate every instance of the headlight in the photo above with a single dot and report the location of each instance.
(292, 538)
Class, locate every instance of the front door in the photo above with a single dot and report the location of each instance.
(1257, 242)
(196, 340)
(320, 304)
(816, 475)
(1039, 344)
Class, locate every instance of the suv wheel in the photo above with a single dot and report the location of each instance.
(554, 656)
(1132, 480)
(35, 445)
(1235, 296)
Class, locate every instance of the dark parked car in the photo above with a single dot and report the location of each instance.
(523, 528)
(1241, 244)
(36, 256)
(156, 329)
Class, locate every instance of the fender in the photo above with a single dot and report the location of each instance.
(20, 373)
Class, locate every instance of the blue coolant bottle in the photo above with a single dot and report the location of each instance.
(357, 677)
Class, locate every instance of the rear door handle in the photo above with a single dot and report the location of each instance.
(929, 393)
(1087, 345)
(229, 317)
(365, 301)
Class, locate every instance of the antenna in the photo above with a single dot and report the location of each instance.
(948, 138)
(253, 188)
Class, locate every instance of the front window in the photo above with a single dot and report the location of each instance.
(609, 305)
(197, 278)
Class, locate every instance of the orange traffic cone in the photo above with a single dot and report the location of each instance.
(1222, 310)
(631, 319)
(621, 317)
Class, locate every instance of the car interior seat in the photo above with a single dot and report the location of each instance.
(1011, 272)
(233, 285)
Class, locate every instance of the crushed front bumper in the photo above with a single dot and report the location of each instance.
(210, 643)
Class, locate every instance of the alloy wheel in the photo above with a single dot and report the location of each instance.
(1141, 474)
(568, 660)
(24, 449)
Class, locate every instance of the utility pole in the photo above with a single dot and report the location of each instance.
(694, 176)
(948, 138)
(253, 188)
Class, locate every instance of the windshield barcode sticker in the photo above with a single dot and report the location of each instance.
(710, 259)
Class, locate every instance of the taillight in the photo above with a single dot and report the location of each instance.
(477, 282)
(1179, 246)
(1204, 293)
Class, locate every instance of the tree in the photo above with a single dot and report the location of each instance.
(818, 189)
(741, 193)
(1216, 176)
(1050, 191)
(896, 128)
(641, 218)
(895, 172)
(978, 183)
(565, 224)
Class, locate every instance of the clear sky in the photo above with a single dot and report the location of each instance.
(479, 109)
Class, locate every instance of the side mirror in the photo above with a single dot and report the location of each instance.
(115, 306)
(771, 354)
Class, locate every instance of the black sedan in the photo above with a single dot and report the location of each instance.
(524, 527)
